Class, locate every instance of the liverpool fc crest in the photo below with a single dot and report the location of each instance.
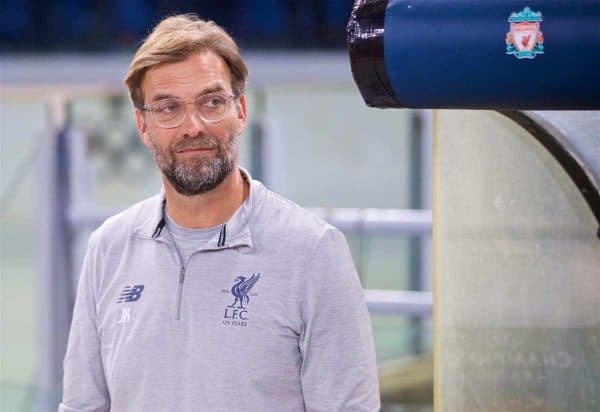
(236, 314)
(525, 39)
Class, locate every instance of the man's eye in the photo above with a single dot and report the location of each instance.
(214, 102)
(167, 107)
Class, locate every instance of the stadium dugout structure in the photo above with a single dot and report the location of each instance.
(516, 201)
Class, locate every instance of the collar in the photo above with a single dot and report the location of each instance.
(235, 232)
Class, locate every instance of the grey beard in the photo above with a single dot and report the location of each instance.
(199, 175)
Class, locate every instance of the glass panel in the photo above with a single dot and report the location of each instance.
(381, 261)
(22, 121)
(518, 279)
(122, 170)
(405, 380)
(359, 156)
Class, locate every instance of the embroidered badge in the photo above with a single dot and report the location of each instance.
(125, 315)
(236, 314)
(525, 39)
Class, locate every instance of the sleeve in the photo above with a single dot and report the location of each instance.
(84, 383)
(339, 370)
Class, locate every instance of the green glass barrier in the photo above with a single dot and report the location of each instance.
(517, 319)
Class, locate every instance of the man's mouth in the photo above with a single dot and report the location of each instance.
(192, 150)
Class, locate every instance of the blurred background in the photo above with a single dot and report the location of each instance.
(70, 157)
(119, 25)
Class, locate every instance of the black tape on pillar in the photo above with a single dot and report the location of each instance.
(365, 32)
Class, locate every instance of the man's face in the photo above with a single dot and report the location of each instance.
(196, 156)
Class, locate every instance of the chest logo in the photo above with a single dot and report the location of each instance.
(236, 314)
(241, 288)
(131, 293)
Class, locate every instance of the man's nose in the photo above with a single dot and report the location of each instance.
(192, 123)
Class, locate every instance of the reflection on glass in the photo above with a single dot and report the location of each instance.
(518, 278)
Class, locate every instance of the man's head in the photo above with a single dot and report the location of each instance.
(187, 82)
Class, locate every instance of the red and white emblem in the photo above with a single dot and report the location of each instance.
(525, 36)
(525, 39)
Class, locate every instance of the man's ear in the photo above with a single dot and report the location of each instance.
(142, 128)
(241, 115)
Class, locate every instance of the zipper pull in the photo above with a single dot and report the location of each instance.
(181, 274)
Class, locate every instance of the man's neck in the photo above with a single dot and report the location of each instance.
(207, 209)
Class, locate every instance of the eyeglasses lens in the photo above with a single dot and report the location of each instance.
(170, 113)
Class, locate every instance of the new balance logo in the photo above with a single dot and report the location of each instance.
(131, 293)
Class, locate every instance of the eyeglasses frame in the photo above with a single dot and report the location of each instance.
(148, 108)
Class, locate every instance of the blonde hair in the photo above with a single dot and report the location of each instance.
(173, 40)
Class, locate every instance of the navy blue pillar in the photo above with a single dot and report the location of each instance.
(473, 54)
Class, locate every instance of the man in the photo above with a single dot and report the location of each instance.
(216, 294)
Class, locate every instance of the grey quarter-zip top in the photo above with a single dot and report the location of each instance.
(268, 314)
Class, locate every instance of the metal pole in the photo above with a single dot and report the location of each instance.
(426, 142)
(417, 196)
(54, 259)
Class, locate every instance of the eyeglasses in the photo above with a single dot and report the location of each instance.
(171, 112)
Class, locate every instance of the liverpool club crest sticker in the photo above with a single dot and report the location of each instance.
(525, 39)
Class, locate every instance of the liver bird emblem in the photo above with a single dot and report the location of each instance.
(241, 288)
